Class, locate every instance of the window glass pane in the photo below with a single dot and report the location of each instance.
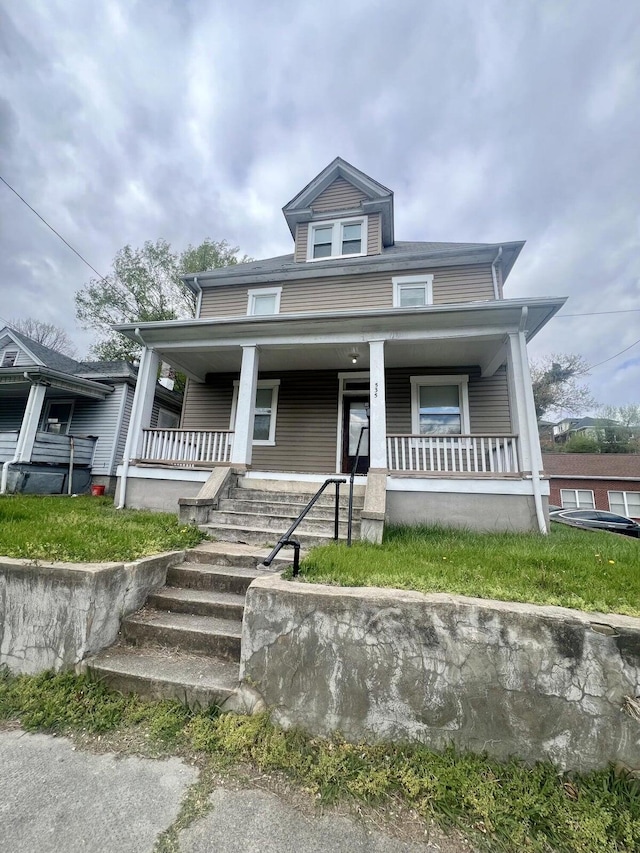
(616, 502)
(585, 499)
(322, 250)
(568, 499)
(264, 304)
(439, 412)
(411, 297)
(351, 232)
(351, 247)
(351, 239)
(58, 418)
(357, 420)
(633, 504)
(262, 421)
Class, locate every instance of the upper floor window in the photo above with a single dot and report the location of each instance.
(265, 300)
(412, 291)
(342, 238)
(9, 358)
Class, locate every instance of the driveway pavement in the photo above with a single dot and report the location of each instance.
(55, 797)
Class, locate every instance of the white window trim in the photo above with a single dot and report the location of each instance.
(624, 500)
(343, 391)
(274, 384)
(15, 353)
(402, 281)
(336, 237)
(577, 500)
(262, 291)
(55, 402)
(460, 379)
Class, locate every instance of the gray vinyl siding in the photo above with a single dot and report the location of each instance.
(307, 416)
(338, 196)
(22, 359)
(121, 438)
(339, 293)
(302, 240)
(11, 413)
(100, 418)
(374, 234)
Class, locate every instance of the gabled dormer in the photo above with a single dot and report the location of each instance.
(341, 213)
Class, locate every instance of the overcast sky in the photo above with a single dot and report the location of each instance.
(122, 122)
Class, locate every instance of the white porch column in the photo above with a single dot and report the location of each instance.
(245, 409)
(30, 421)
(142, 402)
(377, 408)
(523, 417)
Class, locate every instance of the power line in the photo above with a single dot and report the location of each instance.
(635, 343)
(596, 313)
(51, 228)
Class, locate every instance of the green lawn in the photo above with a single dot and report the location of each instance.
(570, 567)
(86, 529)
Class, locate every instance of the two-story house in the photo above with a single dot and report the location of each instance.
(289, 357)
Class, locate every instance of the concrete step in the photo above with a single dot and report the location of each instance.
(285, 508)
(158, 673)
(236, 554)
(194, 634)
(279, 524)
(326, 499)
(200, 602)
(204, 576)
(261, 536)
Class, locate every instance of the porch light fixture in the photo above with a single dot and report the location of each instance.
(354, 355)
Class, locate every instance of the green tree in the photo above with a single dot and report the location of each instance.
(555, 381)
(579, 443)
(144, 285)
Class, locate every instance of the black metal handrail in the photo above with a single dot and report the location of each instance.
(286, 540)
(352, 477)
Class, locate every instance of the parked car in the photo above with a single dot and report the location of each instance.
(596, 519)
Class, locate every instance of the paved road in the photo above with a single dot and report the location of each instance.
(54, 798)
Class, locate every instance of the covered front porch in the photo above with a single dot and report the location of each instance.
(441, 404)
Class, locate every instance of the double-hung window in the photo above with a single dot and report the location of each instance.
(266, 407)
(264, 300)
(625, 503)
(57, 417)
(341, 238)
(439, 405)
(412, 291)
(577, 499)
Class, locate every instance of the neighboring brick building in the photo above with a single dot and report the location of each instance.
(608, 481)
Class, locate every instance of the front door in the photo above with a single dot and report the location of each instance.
(355, 424)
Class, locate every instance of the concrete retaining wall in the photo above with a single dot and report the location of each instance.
(53, 614)
(508, 679)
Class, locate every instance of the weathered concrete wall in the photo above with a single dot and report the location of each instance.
(160, 495)
(476, 512)
(53, 614)
(509, 679)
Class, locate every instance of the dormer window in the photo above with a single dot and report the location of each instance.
(341, 238)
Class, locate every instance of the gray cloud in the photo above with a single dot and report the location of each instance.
(490, 121)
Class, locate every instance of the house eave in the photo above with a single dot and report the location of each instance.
(57, 379)
(360, 266)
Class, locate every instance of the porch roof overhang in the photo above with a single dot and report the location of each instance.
(17, 379)
(475, 331)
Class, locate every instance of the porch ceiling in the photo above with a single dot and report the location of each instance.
(440, 335)
(280, 357)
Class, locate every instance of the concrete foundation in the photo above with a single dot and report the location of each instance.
(487, 512)
(53, 614)
(157, 494)
(508, 679)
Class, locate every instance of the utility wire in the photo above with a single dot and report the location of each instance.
(596, 313)
(33, 210)
(635, 343)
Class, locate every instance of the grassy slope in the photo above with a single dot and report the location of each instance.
(85, 529)
(572, 568)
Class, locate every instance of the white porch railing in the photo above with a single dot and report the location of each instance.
(453, 454)
(186, 447)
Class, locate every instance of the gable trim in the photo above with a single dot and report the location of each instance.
(21, 346)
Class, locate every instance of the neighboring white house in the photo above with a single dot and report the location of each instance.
(56, 412)
(289, 357)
